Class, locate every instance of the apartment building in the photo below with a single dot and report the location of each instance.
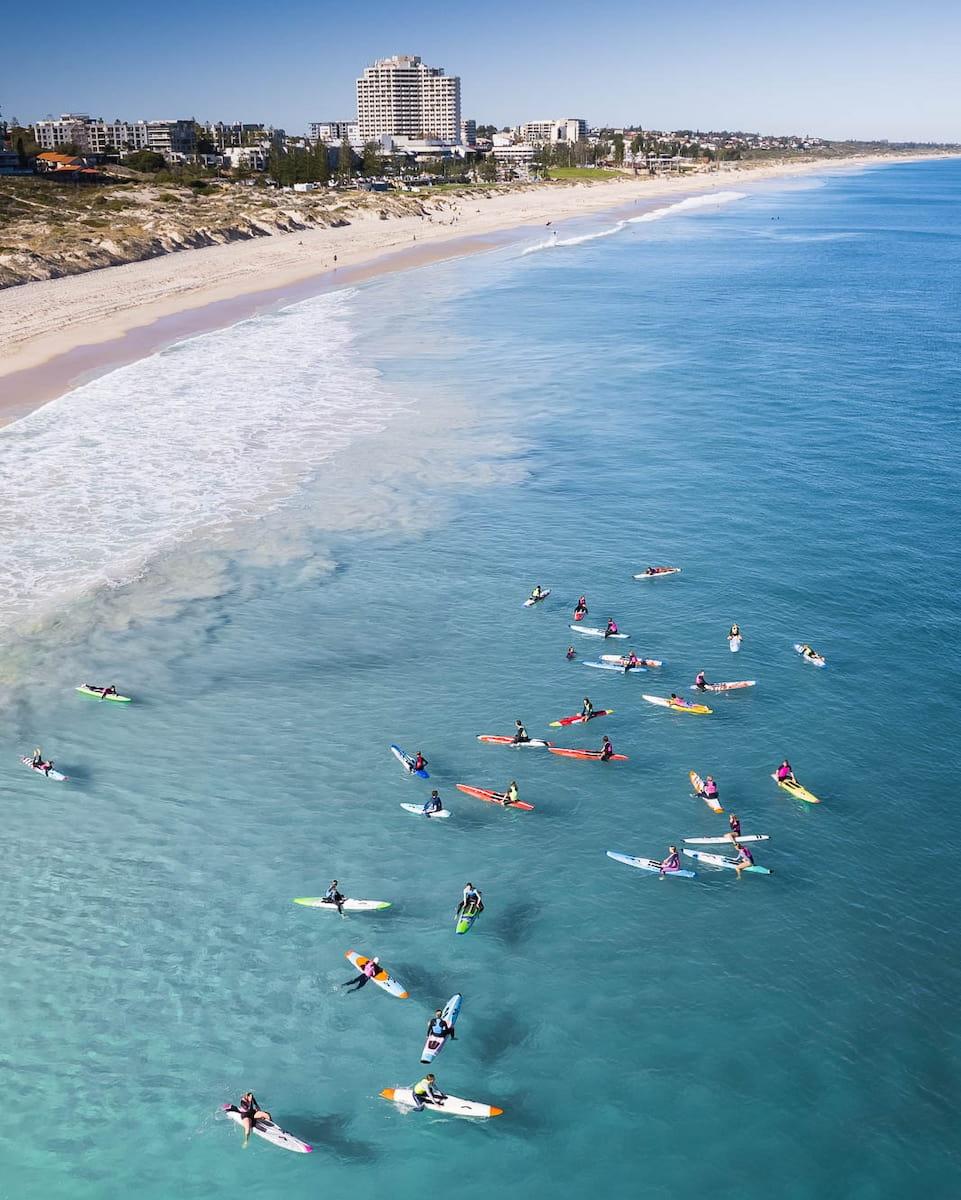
(543, 133)
(96, 136)
(334, 131)
(403, 97)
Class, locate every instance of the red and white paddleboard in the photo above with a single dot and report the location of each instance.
(493, 797)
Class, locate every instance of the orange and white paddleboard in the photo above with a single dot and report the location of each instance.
(382, 979)
(697, 783)
(450, 1104)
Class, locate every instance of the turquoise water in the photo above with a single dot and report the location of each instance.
(311, 536)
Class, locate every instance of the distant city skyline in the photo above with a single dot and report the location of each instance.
(831, 70)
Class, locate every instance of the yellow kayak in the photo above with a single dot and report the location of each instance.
(796, 790)
(677, 707)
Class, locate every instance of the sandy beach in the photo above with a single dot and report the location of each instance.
(57, 332)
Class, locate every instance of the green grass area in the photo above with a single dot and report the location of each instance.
(581, 173)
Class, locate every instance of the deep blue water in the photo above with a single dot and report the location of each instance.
(763, 391)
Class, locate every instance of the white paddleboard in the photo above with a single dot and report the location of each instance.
(728, 838)
(606, 666)
(735, 643)
(453, 1106)
(51, 774)
(382, 979)
(271, 1133)
(348, 905)
(530, 601)
(419, 810)
(434, 1044)
(718, 860)
(647, 864)
(593, 631)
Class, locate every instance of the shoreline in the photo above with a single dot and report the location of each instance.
(62, 332)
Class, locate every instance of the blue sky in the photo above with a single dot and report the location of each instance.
(845, 69)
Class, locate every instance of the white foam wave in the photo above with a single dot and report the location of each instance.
(554, 242)
(709, 200)
(214, 430)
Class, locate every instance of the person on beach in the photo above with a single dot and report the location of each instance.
(332, 896)
(367, 972)
(250, 1111)
(470, 899)
(672, 862)
(425, 1091)
(587, 709)
(580, 608)
(520, 733)
(735, 823)
(611, 627)
(433, 805)
(438, 1027)
(700, 682)
(511, 796)
(419, 762)
(571, 654)
(607, 750)
(744, 857)
(784, 773)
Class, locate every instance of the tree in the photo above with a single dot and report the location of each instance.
(145, 160)
(70, 148)
(372, 161)
(487, 169)
(320, 162)
(619, 149)
(345, 161)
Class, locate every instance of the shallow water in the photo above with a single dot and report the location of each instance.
(762, 392)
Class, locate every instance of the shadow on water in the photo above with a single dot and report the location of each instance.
(515, 925)
(503, 1036)
(329, 1134)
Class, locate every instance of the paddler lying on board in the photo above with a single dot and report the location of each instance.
(511, 796)
(250, 1111)
(672, 862)
(40, 764)
(425, 1091)
(611, 627)
(809, 652)
(110, 690)
(784, 774)
(677, 702)
(434, 804)
(520, 733)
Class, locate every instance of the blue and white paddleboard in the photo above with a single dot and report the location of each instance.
(434, 1044)
(603, 666)
(647, 864)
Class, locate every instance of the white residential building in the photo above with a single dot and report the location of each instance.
(94, 136)
(334, 131)
(565, 129)
(403, 97)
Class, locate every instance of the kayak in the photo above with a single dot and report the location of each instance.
(648, 864)
(532, 600)
(593, 631)
(728, 838)
(419, 809)
(816, 660)
(497, 740)
(735, 643)
(348, 905)
(51, 774)
(466, 918)
(89, 691)
(587, 754)
(718, 860)
(270, 1132)
(621, 660)
(606, 666)
(657, 572)
(725, 687)
(795, 789)
(434, 1044)
(577, 719)
(406, 760)
(494, 797)
(672, 704)
(697, 783)
(382, 979)
(451, 1104)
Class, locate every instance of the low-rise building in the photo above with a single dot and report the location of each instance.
(335, 131)
(544, 133)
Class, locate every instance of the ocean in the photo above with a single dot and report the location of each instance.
(306, 537)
